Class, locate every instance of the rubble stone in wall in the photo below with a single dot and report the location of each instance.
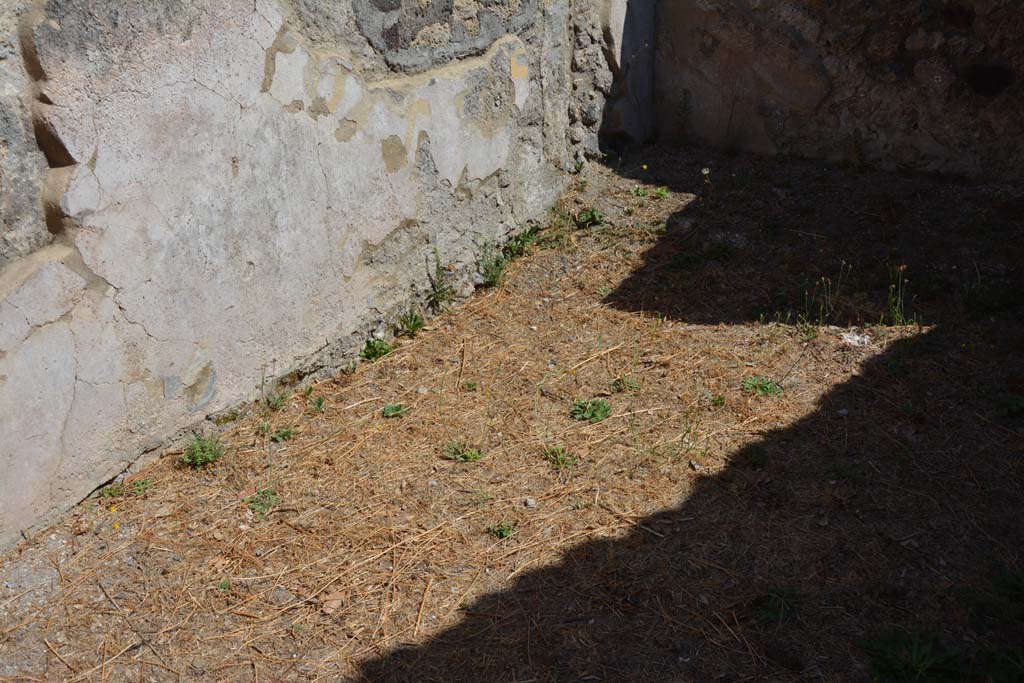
(933, 86)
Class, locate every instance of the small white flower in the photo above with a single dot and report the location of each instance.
(706, 171)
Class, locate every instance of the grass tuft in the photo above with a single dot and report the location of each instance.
(282, 435)
(492, 266)
(559, 458)
(775, 606)
(460, 451)
(441, 293)
(201, 453)
(625, 384)
(263, 501)
(762, 386)
(905, 657)
(502, 529)
(518, 245)
(134, 488)
(410, 322)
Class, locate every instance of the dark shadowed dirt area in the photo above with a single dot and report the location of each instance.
(877, 536)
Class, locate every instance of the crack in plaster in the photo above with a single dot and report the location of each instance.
(323, 169)
(67, 417)
(256, 11)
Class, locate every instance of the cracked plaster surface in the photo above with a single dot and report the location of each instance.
(238, 200)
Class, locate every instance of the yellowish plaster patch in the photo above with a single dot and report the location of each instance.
(338, 92)
(519, 67)
(346, 130)
(393, 150)
(419, 108)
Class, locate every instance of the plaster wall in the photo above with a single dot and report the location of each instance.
(196, 195)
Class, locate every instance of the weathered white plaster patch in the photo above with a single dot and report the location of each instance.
(238, 200)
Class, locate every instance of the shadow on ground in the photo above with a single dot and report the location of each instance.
(881, 535)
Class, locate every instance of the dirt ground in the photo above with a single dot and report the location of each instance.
(811, 466)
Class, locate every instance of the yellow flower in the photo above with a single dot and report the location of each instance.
(116, 526)
(113, 508)
(644, 167)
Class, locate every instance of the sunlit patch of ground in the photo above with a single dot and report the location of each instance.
(731, 424)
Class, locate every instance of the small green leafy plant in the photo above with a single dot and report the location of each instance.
(113, 491)
(374, 349)
(518, 245)
(502, 529)
(1011, 406)
(460, 451)
(316, 405)
(717, 401)
(224, 584)
(594, 410)
(201, 453)
(660, 193)
(904, 657)
(492, 266)
(762, 386)
(559, 458)
(282, 435)
(808, 332)
(625, 384)
(556, 234)
(589, 218)
(639, 191)
(775, 606)
(410, 322)
(276, 401)
(263, 501)
(134, 488)
(394, 410)
(471, 386)
(441, 293)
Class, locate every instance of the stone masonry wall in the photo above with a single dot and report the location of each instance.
(198, 194)
(929, 85)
